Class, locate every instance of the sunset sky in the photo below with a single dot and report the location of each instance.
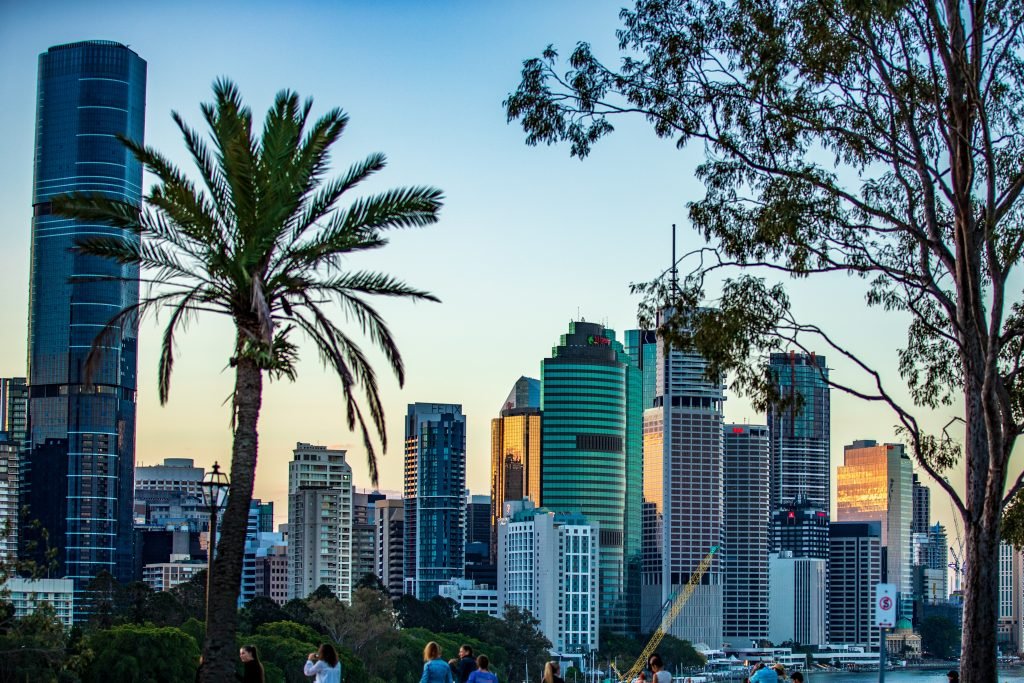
(529, 238)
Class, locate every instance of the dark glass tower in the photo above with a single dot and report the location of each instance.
(592, 456)
(82, 438)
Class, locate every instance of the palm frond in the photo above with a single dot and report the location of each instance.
(323, 202)
(181, 314)
(87, 206)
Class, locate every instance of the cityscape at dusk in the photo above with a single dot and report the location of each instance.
(558, 462)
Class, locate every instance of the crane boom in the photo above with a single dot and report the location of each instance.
(672, 611)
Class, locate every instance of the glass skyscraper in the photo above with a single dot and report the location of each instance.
(435, 497)
(82, 437)
(515, 452)
(591, 455)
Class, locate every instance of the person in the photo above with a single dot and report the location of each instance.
(763, 674)
(467, 664)
(482, 673)
(796, 677)
(453, 664)
(551, 673)
(780, 672)
(252, 669)
(435, 669)
(953, 675)
(658, 668)
(324, 665)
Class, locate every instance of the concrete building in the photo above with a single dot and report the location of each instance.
(364, 533)
(682, 492)
(745, 539)
(472, 597)
(389, 546)
(548, 563)
(272, 574)
(435, 505)
(855, 567)
(797, 606)
(163, 576)
(875, 483)
(170, 494)
(1011, 593)
(319, 522)
(25, 595)
(10, 492)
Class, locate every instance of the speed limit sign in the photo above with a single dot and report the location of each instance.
(885, 605)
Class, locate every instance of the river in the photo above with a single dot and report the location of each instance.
(1014, 674)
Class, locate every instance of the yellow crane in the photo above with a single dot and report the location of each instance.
(668, 616)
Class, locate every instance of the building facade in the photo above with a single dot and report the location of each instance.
(364, 534)
(683, 489)
(389, 547)
(875, 483)
(855, 567)
(548, 563)
(26, 595)
(82, 429)
(471, 597)
(319, 521)
(515, 451)
(163, 576)
(435, 484)
(272, 574)
(10, 502)
(745, 536)
(801, 529)
(922, 507)
(798, 603)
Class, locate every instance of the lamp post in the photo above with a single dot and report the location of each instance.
(215, 488)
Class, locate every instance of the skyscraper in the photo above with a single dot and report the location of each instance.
(799, 429)
(389, 545)
(683, 493)
(875, 483)
(591, 455)
(435, 506)
(82, 429)
(13, 434)
(319, 522)
(14, 408)
(745, 537)
(855, 566)
(515, 452)
(922, 507)
(364, 534)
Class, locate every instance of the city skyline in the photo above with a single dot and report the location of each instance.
(456, 138)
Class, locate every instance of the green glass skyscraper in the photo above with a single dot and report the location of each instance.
(591, 441)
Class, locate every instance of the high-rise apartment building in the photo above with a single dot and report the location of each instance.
(515, 452)
(799, 430)
(82, 429)
(875, 483)
(682, 492)
(435, 506)
(745, 536)
(14, 408)
(548, 563)
(319, 522)
(922, 507)
(364, 534)
(592, 458)
(855, 567)
(272, 574)
(10, 455)
(389, 548)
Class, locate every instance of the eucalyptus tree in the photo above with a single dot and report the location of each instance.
(262, 238)
(877, 139)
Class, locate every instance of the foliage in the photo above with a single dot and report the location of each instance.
(939, 637)
(436, 614)
(258, 611)
(191, 595)
(140, 653)
(878, 140)
(33, 647)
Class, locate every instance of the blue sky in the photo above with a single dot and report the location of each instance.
(528, 240)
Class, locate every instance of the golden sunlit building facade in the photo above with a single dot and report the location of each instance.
(515, 452)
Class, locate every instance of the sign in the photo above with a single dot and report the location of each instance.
(597, 340)
(885, 605)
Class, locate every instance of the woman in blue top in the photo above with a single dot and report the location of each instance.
(482, 674)
(435, 669)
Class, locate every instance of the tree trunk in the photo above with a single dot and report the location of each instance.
(981, 598)
(220, 652)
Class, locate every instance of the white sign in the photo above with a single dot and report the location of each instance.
(885, 605)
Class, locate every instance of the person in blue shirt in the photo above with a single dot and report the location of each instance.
(435, 669)
(482, 673)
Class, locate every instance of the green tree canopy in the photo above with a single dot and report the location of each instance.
(140, 653)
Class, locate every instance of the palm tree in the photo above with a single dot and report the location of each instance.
(261, 241)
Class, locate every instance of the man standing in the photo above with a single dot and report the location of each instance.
(467, 664)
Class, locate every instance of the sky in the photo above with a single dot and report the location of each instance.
(528, 240)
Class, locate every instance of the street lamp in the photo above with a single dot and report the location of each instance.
(215, 488)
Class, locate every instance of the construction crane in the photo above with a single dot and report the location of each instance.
(672, 609)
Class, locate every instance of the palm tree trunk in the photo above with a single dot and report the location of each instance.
(220, 651)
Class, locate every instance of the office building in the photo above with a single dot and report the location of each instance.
(745, 537)
(163, 576)
(472, 597)
(937, 562)
(364, 534)
(26, 595)
(480, 568)
(266, 517)
(855, 567)
(389, 547)
(801, 529)
(683, 493)
(170, 495)
(319, 522)
(592, 457)
(515, 451)
(14, 408)
(435, 506)
(875, 483)
(272, 574)
(798, 605)
(548, 563)
(1011, 592)
(922, 507)
(82, 429)
(799, 429)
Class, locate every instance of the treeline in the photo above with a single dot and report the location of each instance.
(137, 634)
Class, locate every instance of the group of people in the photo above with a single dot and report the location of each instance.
(323, 665)
(762, 673)
(469, 669)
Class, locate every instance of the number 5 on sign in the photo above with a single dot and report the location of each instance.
(885, 605)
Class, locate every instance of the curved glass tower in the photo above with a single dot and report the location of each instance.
(82, 438)
(591, 456)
